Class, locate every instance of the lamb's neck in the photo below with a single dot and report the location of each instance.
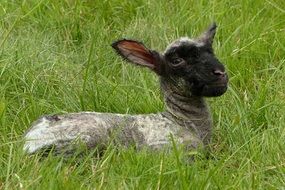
(187, 110)
(183, 108)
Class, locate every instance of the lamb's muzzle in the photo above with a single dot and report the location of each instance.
(188, 71)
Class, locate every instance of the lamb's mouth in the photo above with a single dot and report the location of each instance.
(213, 90)
(217, 84)
(210, 89)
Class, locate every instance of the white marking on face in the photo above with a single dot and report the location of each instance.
(178, 42)
(186, 39)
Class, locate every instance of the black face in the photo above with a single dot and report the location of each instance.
(196, 64)
(188, 65)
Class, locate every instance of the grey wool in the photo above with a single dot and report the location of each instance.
(188, 71)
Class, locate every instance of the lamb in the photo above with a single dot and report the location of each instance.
(188, 71)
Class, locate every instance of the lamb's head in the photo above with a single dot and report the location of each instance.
(188, 66)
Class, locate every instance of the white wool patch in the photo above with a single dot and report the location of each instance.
(38, 136)
(155, 132)
(45, 133)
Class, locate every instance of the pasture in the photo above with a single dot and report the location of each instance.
(55, 57)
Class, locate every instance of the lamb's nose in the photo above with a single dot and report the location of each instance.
(219, 73)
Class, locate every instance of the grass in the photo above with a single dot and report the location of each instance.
(55, 57)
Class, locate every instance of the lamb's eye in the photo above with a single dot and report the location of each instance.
(178, 61)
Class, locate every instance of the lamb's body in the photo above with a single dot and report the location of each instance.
(188, 71)
(189, 128)
(93, 129)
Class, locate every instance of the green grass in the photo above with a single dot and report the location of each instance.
(55, 57)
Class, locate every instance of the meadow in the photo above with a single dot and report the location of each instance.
(55, 57)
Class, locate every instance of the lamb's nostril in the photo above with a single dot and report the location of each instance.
(219, 73)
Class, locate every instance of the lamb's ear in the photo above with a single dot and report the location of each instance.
(208, 36)
(137, 53)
